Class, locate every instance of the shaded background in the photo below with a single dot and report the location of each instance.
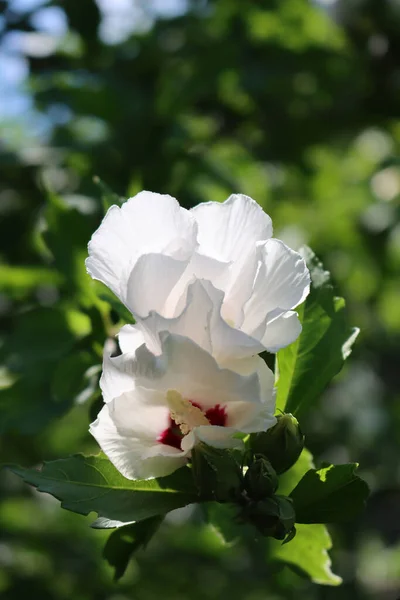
(294, 103)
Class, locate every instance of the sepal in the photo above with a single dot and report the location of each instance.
(260, 479)
(273, 517)
(217, 473)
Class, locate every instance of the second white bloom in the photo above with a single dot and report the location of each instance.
(157, 406)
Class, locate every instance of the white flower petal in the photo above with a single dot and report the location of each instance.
(266, 378)
(117, 376)
(199, 267)
(183, 366)
(187, 368)
(201, 321)
(130, 337)
(146, 223)
(282, 331)
(282, 282)
(256, 417)
(127, 430)
(159, 283)
(218, 437)
(188, 442)
(193, 322)
(151, 282)
(249, 418)
(240, 287)
(141, 412)
(227, 343)
(227, 231)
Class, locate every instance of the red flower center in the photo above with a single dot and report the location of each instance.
(172, 436)
(217, 415)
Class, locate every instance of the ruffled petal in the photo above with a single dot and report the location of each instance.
(242, 273)
(266, 378)
(281, 284)
(151, 283)
(160, 283)
(230, 232)
(117, 376)
(193, 322)
(146, 223)
(226, 231)
(199, 267)
(282, 331)
(201, 321)
(249, 418)
(227, 343)
(187, 368)
(130, 337)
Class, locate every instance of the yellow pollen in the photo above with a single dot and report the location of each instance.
(184, 413)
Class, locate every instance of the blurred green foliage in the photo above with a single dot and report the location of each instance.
(293, 103)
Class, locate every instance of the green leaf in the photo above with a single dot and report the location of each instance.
(307, 553)
(19, 282)
(107, 296)
(91, 483)
(67, 235)
(125, 541)
(76, 378)
(224, 518)
(333, 493)
(108, 197)
(46, 334)
(26, 403)
(307, 366)
(39, 387)
(103, 523)
(289, 480)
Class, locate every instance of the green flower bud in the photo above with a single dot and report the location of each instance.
(217, 473)
(274, 517)
(281, 445)
(260, 480)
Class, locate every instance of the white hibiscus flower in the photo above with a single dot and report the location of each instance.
(159, 403)
(150, 250)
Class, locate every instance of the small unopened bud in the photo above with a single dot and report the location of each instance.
(216, 472)
(261, 479)
(281, 445)
(274, 517)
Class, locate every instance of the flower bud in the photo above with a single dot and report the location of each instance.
(274, 517)
(281, 445)
(216, 472)
(260, 480)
